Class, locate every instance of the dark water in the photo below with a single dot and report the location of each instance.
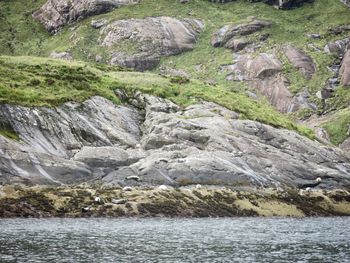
(175, 240)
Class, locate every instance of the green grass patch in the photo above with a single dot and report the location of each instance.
(7, 131)
(338, 126)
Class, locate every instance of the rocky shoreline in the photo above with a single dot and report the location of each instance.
(100, 201)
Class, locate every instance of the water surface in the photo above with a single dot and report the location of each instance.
(175, 240)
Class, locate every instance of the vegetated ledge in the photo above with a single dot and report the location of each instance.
(97, 201)
(34, 81)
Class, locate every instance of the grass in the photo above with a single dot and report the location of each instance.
(31, 81)
(7, 131)
(338, 126)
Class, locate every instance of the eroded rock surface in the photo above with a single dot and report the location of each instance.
(54, 14)
(157, 142)
(149, 39)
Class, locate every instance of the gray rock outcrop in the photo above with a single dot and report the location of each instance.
(54, 14)
(149, 39)
(159, 143)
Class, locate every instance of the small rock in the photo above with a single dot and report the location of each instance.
(323, 94)
(314, 36)
(61, 55)
(127, 189)
(98, 23)
(86, 209)
(162, 188)
(119, 201)
(133, 177)
(98, 59)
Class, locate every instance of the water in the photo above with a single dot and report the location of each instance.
(175, 240)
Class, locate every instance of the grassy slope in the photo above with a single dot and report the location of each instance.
(20, 35)
(34, 81)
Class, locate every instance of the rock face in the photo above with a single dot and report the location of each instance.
(233, 36)
(147, 40)
(54, 14)
(301, 61)
(264, 74)
(159, 143)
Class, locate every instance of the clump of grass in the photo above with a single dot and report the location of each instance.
(7, 131)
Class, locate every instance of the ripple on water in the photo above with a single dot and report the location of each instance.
(175, 240)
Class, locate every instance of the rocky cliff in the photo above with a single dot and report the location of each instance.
(154, 142)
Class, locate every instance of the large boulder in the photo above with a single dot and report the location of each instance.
(301, 61)
(149, 39)
(233, 36)
(54, 14)
(160, 143)
(264, 74)
(344, 72)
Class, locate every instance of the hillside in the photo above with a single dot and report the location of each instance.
(22, 35)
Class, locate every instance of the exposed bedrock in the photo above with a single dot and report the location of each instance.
(156, 142)
(54, 14)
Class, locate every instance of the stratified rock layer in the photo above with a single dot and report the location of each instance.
(155, 142)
